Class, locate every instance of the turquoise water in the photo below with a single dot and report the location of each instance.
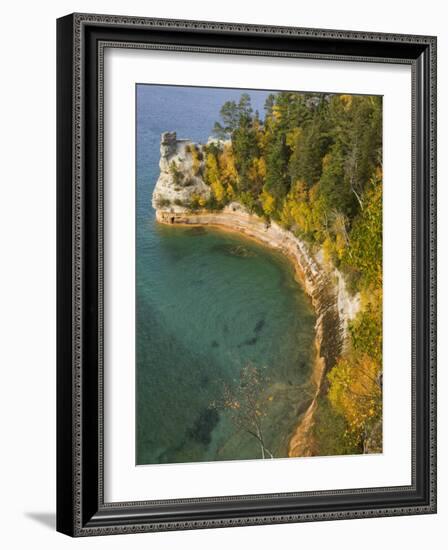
(209, 303)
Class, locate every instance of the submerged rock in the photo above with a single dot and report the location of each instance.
(202, 429)
(248, 342)
(237, 250)
(196, 231)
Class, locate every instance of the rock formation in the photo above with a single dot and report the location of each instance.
(180, 174)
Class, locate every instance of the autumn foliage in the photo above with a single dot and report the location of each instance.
(314, 165)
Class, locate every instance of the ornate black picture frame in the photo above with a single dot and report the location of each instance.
(81, 509)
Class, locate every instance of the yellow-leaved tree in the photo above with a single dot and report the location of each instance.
(355, 392)
(227, 168)
(196, 158)
(267, 203)
(212, 177)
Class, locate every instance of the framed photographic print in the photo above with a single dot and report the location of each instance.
(246, 274)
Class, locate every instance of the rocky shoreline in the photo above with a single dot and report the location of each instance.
(324, 285)
(181, 162)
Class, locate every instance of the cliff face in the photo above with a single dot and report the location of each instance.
(179, 180)
(323, 283)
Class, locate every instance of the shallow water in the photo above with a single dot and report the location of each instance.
(209, 303)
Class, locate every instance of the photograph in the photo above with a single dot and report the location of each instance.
(258, 262)
(246, 274)
(222, 275)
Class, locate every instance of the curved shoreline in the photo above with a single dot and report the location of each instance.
(322, 283)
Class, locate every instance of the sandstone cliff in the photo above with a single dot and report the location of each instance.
(179, 178)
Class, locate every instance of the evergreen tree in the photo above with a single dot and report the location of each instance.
(278, 181)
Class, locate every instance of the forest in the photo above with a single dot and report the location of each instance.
(313, 164)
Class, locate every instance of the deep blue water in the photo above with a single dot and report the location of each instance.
(204, 312)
